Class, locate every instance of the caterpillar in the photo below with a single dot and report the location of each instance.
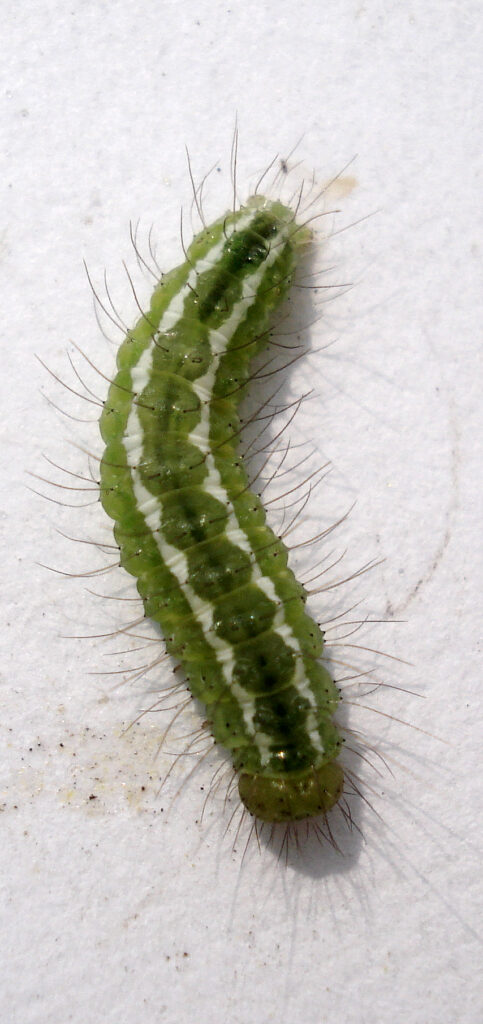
(210, 571)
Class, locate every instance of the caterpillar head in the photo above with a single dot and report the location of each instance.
(292, 798)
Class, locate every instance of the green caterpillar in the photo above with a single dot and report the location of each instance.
(208, 568)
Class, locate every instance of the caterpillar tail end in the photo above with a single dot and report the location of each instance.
(283, 799)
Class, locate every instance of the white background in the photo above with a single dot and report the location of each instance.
(118, 906)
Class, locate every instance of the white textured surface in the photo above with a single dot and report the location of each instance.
(115, 910)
